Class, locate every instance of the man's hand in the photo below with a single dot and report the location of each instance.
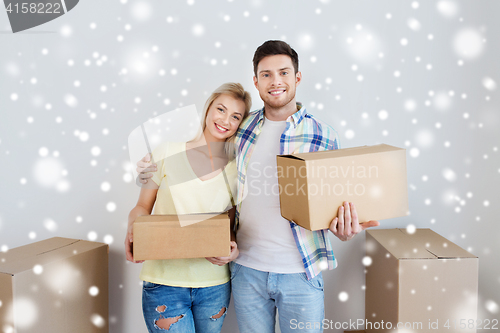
(129, 240)
(221, 261)
(145, 169)
(346, 225)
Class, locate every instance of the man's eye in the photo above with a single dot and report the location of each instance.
(284, 73)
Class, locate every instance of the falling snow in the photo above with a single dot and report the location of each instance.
(392, 76)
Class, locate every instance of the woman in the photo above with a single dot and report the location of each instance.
(192, 295)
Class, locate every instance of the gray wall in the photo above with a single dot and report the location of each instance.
(430, 67)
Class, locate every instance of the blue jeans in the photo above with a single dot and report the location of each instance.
(185, 309)
(257, 295)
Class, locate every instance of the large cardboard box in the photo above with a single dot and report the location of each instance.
(163, 237)
(419, 279)
(57, 285)
(314, 185)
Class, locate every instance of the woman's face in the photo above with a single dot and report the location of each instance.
(224, 117)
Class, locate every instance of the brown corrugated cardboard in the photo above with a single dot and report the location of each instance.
(419, 279)
(58, 285)
(314, 185)
(162, 237)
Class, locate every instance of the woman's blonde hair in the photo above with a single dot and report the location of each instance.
(236, 91)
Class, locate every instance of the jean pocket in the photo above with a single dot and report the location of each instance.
(316, 282)
(235, 268)
(150, 285)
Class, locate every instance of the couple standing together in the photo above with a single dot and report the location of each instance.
(275, 264)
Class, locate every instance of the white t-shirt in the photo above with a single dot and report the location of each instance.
(265, 239)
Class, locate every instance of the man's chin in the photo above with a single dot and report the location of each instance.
(277, 104)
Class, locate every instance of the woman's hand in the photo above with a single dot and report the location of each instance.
(221, 261)
(129, 242)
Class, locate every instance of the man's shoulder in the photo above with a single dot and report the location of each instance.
(313, 123)
(249, 121)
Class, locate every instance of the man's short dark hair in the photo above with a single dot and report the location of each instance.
(275, 47)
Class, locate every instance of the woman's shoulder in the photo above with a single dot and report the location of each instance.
(168, 148)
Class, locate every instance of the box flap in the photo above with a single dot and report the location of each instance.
(422, 244)
(25, 257)
(437, 244)
(318, 155)
(399, 244)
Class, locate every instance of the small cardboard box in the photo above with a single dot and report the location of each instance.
(57, 285)
(419, 279)
(314, 185)
(163, 237)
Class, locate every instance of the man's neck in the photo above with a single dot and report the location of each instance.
(282, 113)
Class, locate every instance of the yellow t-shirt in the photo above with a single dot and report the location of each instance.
(182, 192)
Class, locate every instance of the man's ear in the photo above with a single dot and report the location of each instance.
(298, 78)
(255, 81)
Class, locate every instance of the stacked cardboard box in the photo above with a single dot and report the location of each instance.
(421, 280)
(58, 285)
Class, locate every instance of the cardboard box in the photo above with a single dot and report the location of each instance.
(163, 237)
(419, 278)
(57, 285)
(314, 185)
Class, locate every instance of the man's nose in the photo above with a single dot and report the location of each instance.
(277, 80)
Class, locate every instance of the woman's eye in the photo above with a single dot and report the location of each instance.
(221, 110)
(236, 118)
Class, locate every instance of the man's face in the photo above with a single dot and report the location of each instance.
(276, 80)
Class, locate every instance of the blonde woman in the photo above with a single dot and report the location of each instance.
(192, 295)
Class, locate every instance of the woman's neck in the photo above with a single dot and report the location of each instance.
(215, 147)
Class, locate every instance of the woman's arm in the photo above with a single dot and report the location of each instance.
(221, 261)
(144, 206)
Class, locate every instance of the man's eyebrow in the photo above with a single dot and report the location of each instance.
(281, 69)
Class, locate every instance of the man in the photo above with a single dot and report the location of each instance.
(280, 263)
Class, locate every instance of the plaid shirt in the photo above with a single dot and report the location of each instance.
(303, 133)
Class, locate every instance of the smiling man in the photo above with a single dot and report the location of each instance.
(280, 263)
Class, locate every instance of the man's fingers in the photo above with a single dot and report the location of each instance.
(354, 217)
(145, 176)
(340, 224)
(333, 225)
(369, 224)
(347, 219)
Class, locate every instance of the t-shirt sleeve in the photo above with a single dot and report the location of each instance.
(159, 156)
